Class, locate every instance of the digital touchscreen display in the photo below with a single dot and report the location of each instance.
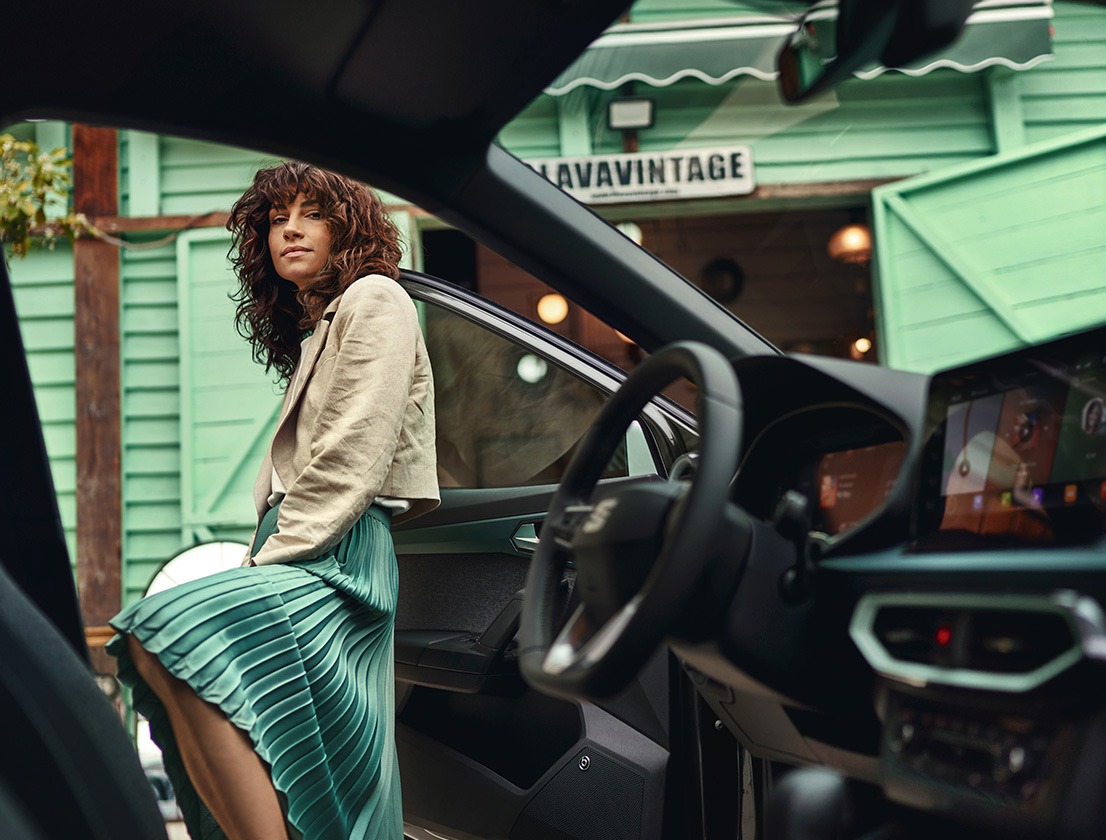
(1020, 448)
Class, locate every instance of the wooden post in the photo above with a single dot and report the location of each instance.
(96, 339)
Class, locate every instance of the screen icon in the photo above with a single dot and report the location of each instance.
(1038, 495)
(1007, 499)
(1070, 491)
(977, 501)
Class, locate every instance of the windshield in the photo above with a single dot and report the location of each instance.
(916, 218)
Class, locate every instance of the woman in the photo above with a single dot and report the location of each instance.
(270, 687)
(1094, 412)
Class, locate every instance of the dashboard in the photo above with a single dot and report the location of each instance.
(1012, 452)
(952, 648)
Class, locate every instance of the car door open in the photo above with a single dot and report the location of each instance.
(512, 402)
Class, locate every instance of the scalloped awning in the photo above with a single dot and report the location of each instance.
(999, 33)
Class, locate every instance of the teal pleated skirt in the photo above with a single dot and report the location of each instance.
(299, 656)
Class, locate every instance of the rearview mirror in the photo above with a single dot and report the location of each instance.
(832, 42)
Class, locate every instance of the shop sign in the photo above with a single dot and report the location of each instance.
(652, 176)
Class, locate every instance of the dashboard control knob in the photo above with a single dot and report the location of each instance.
(901, 737)
(1016, 759)
(906, 733)
(791, 521)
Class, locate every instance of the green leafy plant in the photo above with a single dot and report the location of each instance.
(33, 184)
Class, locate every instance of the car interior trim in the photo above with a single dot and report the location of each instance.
(1082, 614)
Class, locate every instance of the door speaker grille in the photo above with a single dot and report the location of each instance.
(593, 797)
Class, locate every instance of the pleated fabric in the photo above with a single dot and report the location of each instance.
(299, 656)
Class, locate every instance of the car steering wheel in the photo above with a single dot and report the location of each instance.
(640, 548)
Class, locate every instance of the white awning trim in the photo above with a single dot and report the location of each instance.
(654, 81)
(1000, 33)
(647, 52)
(995, 14)
(996, 61)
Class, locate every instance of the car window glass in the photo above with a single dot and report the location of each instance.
(506, 415)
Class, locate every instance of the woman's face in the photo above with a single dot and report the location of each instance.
(1094, 416)
(299, 240)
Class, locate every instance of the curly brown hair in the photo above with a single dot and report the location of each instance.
(272, 313)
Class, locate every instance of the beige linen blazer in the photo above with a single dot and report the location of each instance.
(358, 423)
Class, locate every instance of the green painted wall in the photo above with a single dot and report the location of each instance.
(888, 127)
(1068, 94)
(163, 176)
(43, 288)
(150, 376)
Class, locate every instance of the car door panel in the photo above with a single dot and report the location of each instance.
(482, 755)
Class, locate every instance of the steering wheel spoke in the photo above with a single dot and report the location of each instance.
(580, 642)
(565, 649)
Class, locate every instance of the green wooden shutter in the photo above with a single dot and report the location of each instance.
(229, 405)
(980, 258)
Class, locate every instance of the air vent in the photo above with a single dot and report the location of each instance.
(915, 634)
(1015, 642)
(991, 642)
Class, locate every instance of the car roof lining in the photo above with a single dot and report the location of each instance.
(444, 74)
(518, 49)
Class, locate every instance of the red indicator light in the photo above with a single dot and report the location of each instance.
(943, 636)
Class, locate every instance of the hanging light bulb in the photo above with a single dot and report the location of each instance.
(851, 244)
(552, 308)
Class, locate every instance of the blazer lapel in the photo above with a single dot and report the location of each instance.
(307, 363)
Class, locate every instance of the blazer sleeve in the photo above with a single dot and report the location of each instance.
(354, 439)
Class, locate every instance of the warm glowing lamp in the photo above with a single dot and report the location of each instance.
(862, 345)
(851, 244)
(552, 308)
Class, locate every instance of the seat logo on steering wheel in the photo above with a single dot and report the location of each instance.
(599, 516)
